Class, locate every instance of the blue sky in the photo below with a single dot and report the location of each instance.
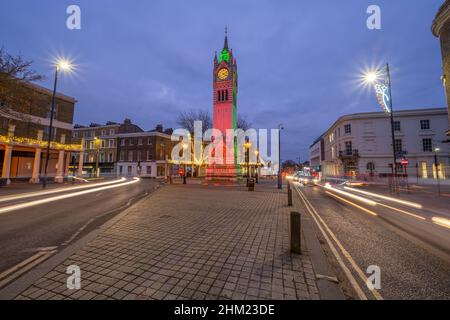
(299, 61)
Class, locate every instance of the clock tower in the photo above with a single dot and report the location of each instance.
(225, 89)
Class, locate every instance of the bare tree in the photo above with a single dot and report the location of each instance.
(16, 95)
(186, 119)
(242, 123)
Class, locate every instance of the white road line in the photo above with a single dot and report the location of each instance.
(344, 252)
(59, 190)
(22, 267)
(64, 196)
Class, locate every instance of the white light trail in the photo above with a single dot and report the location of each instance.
(64, 196)
(441, 221)
(406, 203)
(59, 190)
(350, 195)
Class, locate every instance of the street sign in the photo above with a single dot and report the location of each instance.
(405, 162)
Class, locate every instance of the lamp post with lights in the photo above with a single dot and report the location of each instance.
(372, 78)
(257, 166)
(436, 166)
(280, 180)
(61, 65)
(247, 147)
(185, 146)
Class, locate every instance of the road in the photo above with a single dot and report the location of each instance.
(411, 248)
(49, 227)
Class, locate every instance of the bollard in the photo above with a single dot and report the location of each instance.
(251, 185)
(289, 195)
(296, 233)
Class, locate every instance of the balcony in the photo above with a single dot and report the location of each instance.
(349, 154)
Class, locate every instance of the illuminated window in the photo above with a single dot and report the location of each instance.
(424, 170)
(348, 148)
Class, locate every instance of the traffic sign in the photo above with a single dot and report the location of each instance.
(405, 162)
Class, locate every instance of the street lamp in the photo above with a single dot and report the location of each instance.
(257, 165)
(65, 66)
(185, 146)
(97, 143)
(385, 96)
(436, 166)
(247, 146)
(280, 181)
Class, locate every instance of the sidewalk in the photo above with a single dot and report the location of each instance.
(187, 242)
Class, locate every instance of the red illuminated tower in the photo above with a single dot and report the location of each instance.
(225, 89)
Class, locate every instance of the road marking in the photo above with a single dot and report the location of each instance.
(59, 190)
(64, 196)
(22, 267)
(344, 252)
(352, 203)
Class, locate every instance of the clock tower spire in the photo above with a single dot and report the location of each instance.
(225, 89)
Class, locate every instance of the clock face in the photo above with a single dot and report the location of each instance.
(223, 74)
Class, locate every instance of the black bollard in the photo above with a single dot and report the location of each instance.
(296, 233)
(289, 195)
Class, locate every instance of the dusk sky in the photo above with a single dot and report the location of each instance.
(299, 62)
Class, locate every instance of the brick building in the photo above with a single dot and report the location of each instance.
(441, 29)
(145, 154)
(100, 144)
(24, 131)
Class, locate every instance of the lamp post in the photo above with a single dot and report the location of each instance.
(257, 166)
(185, 146)
(436, 166)
(372, 78)
(61, 65)
(280, 181)
(247, 146)
(97, 143)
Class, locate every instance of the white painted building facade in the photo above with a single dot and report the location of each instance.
(360, 145)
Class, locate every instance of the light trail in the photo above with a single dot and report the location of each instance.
(442, 222)
(402, 211)
(350, 195)
(59, 190)
(406, 203)
(352, 203)
(64, 196)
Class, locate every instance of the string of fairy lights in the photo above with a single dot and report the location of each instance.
(29, 142)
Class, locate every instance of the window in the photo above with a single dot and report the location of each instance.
(122, 155)
(150, 142)
(110, 157)
(370, 166)
(122, 142)
(130, 170)
(348, 148)
(131, 141)
(75, 134)
(424, 124)
(103, 143)
(398, 145)
(140, 141)
(130, 155)
(348, 128)
(46, 133)
(149, 156)
(424, 170)
(103, 132)
(226, 95)
(331, 137)
(427, 145)
(91, 145)
(149, 170)
(120, 169)
(111, 143)
(396, 126)
(111, 132)
(139, 155)
(55, 111)
(218, 95)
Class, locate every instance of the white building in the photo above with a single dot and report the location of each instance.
(360, 145)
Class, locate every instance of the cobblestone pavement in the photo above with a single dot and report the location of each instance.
(190, 242)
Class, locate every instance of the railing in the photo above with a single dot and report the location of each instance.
(349, 153)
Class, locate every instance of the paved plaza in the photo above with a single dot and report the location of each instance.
(190, 242)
